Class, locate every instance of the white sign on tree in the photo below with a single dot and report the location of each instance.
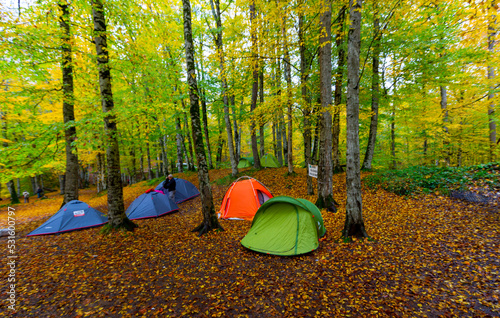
(313, 171)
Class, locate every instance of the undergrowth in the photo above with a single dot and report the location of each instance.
(443, 180)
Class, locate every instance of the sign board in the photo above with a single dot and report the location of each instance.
(313, 171)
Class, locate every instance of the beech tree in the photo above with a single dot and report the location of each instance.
(354, 224)
(210, 221)
(71, 175)
(117, 218)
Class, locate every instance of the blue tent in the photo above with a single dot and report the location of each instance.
(184, 190)
(74, 215)
(150, 205)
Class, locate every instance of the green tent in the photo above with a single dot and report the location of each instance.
(269, 161)
(284, 226)
(245, 162)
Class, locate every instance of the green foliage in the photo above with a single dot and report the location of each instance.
(420, 179)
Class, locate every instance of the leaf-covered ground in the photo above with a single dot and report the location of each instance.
(432, 257)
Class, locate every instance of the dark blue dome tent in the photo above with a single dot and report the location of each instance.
(184, 190)
(74, 215)
(150, 205)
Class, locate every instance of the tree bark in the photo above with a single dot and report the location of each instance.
(261, 103)
(180, 162)
(305, 63)
(491, 77)
(210, 221)
(14, 199)
(220, 52)
(289, 102)
(354, 224)
(325, 187)
(71, 179)
(339, 42)
(444, 110)
(190, 144)
(372, 137)
(116, 212)
(205, 128)
(255, 87)
(237, 135)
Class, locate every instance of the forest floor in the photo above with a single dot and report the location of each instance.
(432, 257)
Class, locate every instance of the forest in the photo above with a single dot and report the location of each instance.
(393, 103)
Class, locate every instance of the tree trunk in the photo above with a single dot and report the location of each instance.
(71, 179)
(255, 87)
(325, 187)
(372, 137)
(339, 41)
(261, 103)
(220, 52)
(305, 60)
(101, 173)
(237, 136)
(444, 109)
(33, 183)
(279, 138)
(179, 144)
(289, 88)
(491, 78)
(220, 142)
(116, 212)
(354, 224)
(14, 199)
(205, 128)
(148, 159)
(190, 144)
(18, 187)
(210, 221)
(164, 157)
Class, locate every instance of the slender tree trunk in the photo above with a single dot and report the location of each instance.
(325, 187)
(205, 128)
(220, 52)
(71, 179)
(306, 98)
(289, 88)
(14, 199)
(210, 221)
(339, 41)
(220, 142)
(18, 187)
(492, 32)
(393, 137)
(372, 137)
(179, 144)
(237, 136)
(164, 157)
(255, 87)
(444, 109)
(148, 159)
(354, 224)
(190, 144)
(261, 103)
(116, 212)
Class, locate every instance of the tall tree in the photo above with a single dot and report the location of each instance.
(215, 5)
(71, 179)
(354, 224)
(372, 137)
(116, 212)
(210, 221)
(255, 87)
(492, 19)
(305, 64)
(325, 186)
(289, 102)
(339, 42)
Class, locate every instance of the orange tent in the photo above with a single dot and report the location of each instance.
(243, 199)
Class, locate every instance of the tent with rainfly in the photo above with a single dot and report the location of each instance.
(243, 199)
(150, 205)
(184, 190)
(245, 162)
(285, 226)
(74, 215)
(269, 161)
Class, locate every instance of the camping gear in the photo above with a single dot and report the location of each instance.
(245, 162)
(184, 190)
(150, 205)
(283, 226)
(74, 215)
(243, 199)
(269, 161)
